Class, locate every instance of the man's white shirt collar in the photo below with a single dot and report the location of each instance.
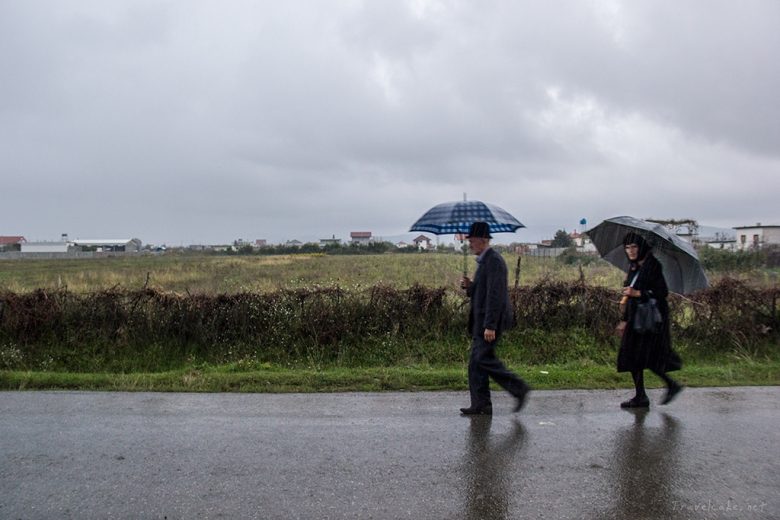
(482, 255)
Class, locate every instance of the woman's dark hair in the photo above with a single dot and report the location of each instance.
(634, 238)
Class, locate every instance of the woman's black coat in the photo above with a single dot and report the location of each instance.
(653, 351)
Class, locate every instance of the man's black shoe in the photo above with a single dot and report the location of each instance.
(485, 410)
(520, 399)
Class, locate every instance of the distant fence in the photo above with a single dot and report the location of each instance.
(546, 252)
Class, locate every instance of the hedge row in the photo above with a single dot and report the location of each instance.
(322, 320)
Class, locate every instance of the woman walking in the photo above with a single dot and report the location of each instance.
(653, 350)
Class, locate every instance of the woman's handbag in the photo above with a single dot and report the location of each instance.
(647, 318)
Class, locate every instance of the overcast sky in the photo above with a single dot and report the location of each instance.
(188, 121)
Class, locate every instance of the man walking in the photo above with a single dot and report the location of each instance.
(490, 314)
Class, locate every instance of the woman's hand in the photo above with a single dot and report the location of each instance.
(621, 327)
(631, 292)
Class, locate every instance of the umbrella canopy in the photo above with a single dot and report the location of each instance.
(682, 269)
(451, 218)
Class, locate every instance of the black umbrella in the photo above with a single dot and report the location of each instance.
(682, 269)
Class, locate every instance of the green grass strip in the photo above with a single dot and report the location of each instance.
(377, 379)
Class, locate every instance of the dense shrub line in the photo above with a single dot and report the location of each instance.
(719, 260)
(115, 328)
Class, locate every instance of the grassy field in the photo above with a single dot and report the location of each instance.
(232, 274)
(229, 378)
(215, 274)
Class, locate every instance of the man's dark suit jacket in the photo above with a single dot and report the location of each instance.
(490, 304)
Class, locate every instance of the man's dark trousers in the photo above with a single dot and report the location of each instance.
(483, 364)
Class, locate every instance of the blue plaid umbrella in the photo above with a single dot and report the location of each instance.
(451, 218)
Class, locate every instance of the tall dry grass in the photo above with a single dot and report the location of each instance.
(212, 274)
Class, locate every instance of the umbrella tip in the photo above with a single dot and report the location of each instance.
(464, 196)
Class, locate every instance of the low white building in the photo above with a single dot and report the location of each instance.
(756, 237)
(118, 244)
(333, 241)
(422, 242)
(46, 247)
(582, 242)
(720, 241)
(362, 238)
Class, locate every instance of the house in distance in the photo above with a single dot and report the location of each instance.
(361, 238)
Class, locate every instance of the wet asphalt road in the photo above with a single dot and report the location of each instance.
(713, 453)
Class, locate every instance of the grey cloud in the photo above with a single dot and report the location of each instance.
(707, 67)
(307, 118)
